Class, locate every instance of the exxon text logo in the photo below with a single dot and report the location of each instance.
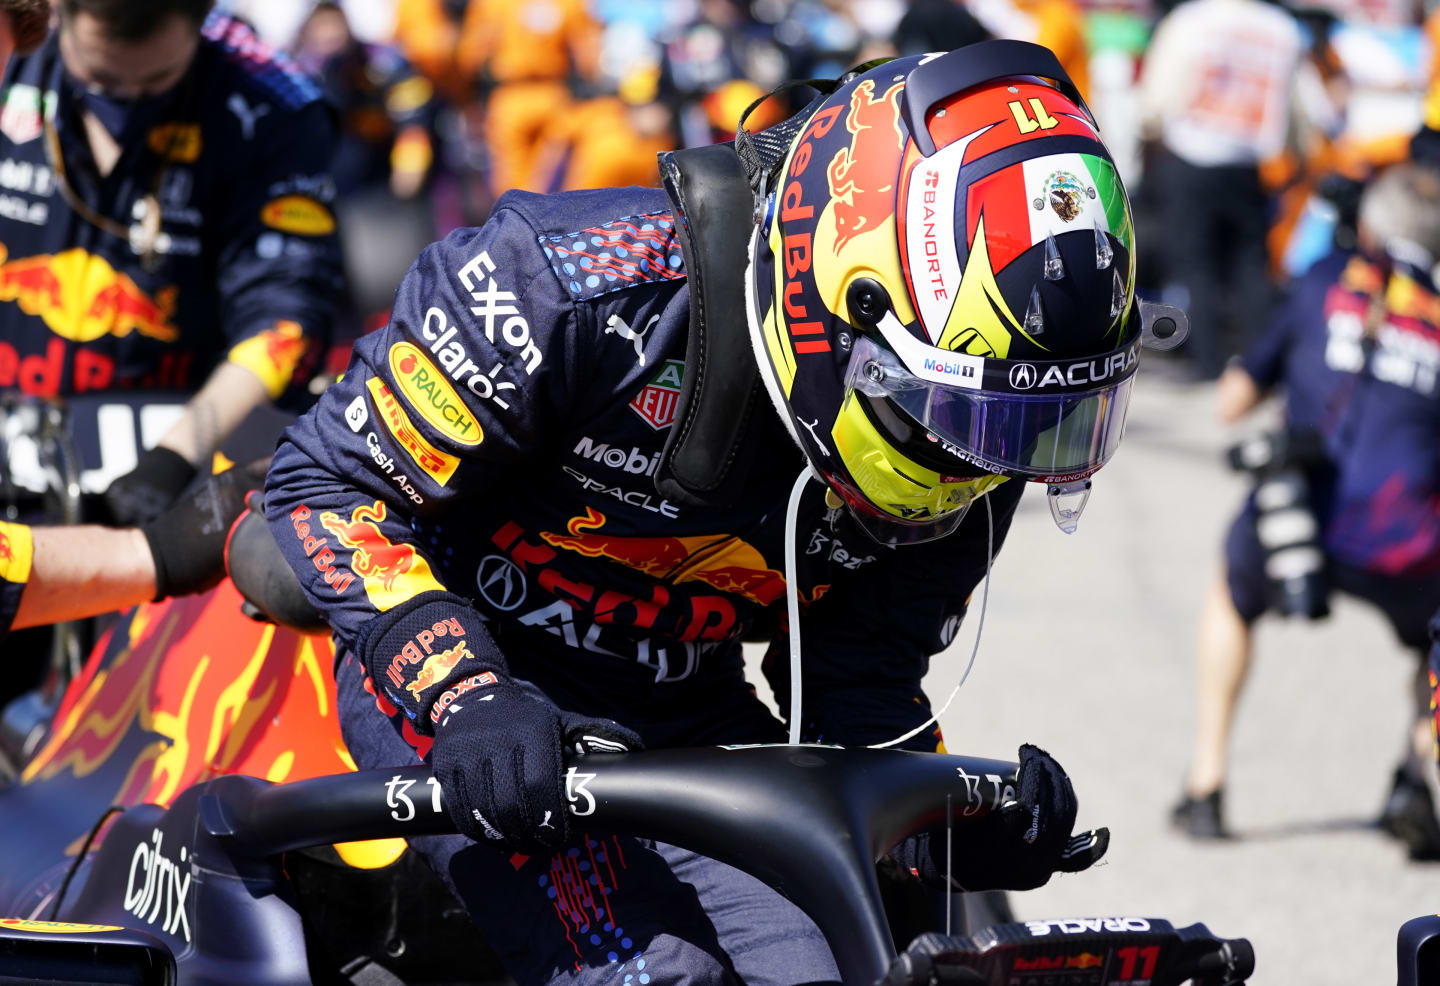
(657, 401)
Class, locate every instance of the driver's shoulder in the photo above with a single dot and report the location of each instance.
(251, 92)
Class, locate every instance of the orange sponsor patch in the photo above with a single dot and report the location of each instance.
(298, 214)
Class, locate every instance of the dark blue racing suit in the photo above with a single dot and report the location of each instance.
(1375, 402)
(498, 439)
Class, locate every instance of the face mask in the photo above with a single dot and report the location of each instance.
(124, 118)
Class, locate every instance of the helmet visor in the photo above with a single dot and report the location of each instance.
(1047, 435)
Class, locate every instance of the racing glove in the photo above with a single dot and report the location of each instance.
(499, 748)
(142, 493)
(1016, 847)
(187, 541)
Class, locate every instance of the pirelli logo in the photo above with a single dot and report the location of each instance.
(438, 465)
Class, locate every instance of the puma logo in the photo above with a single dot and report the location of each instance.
(618, 326)
(810, 427)
(247, 116)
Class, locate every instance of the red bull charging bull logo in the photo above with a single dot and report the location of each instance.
(436, 667)
(392, 573)
(80, 297)
(862, 182)
(723, 562)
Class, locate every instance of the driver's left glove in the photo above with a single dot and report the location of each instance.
(1016, 847)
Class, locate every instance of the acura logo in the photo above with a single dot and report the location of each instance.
(1022, 376)
(500, 583)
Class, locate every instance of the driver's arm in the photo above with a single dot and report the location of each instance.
(432, 409)
(866, 643)
(449, 401)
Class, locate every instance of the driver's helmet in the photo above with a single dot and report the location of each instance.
(941, 288)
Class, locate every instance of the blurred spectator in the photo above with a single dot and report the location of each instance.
(721, 43)
(937, 25)
(386, 108)
(1216, 98)
(427, 31)
(1357, 349)
(1057, 24)
(525, 58)
(609, 141)
(820, 39)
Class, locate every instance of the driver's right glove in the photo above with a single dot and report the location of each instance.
(1016, 847)
(499, 750)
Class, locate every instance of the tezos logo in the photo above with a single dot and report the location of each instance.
(1022, 376)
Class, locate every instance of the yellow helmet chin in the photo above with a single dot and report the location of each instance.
(896, 484)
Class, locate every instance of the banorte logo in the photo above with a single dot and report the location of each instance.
(80, 297)
(725, 563)
(862, 176)
(392, 572)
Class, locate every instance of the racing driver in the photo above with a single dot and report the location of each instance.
(548, 500)
(164, 223)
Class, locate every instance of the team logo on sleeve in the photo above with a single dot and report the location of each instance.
(392, 573)
(430, 393)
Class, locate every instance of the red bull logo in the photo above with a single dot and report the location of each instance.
(16, 552)
(80, 297)
(1085, 960)
(437, 666)
(862, 176)
(723, 562)
(391, 572)
(273, 355)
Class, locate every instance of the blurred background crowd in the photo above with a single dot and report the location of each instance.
(1251, 126)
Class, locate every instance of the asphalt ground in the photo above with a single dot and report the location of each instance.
(1087, 652)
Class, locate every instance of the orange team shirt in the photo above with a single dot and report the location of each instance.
(518, 42)
(1060, 26)
(427, 36)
